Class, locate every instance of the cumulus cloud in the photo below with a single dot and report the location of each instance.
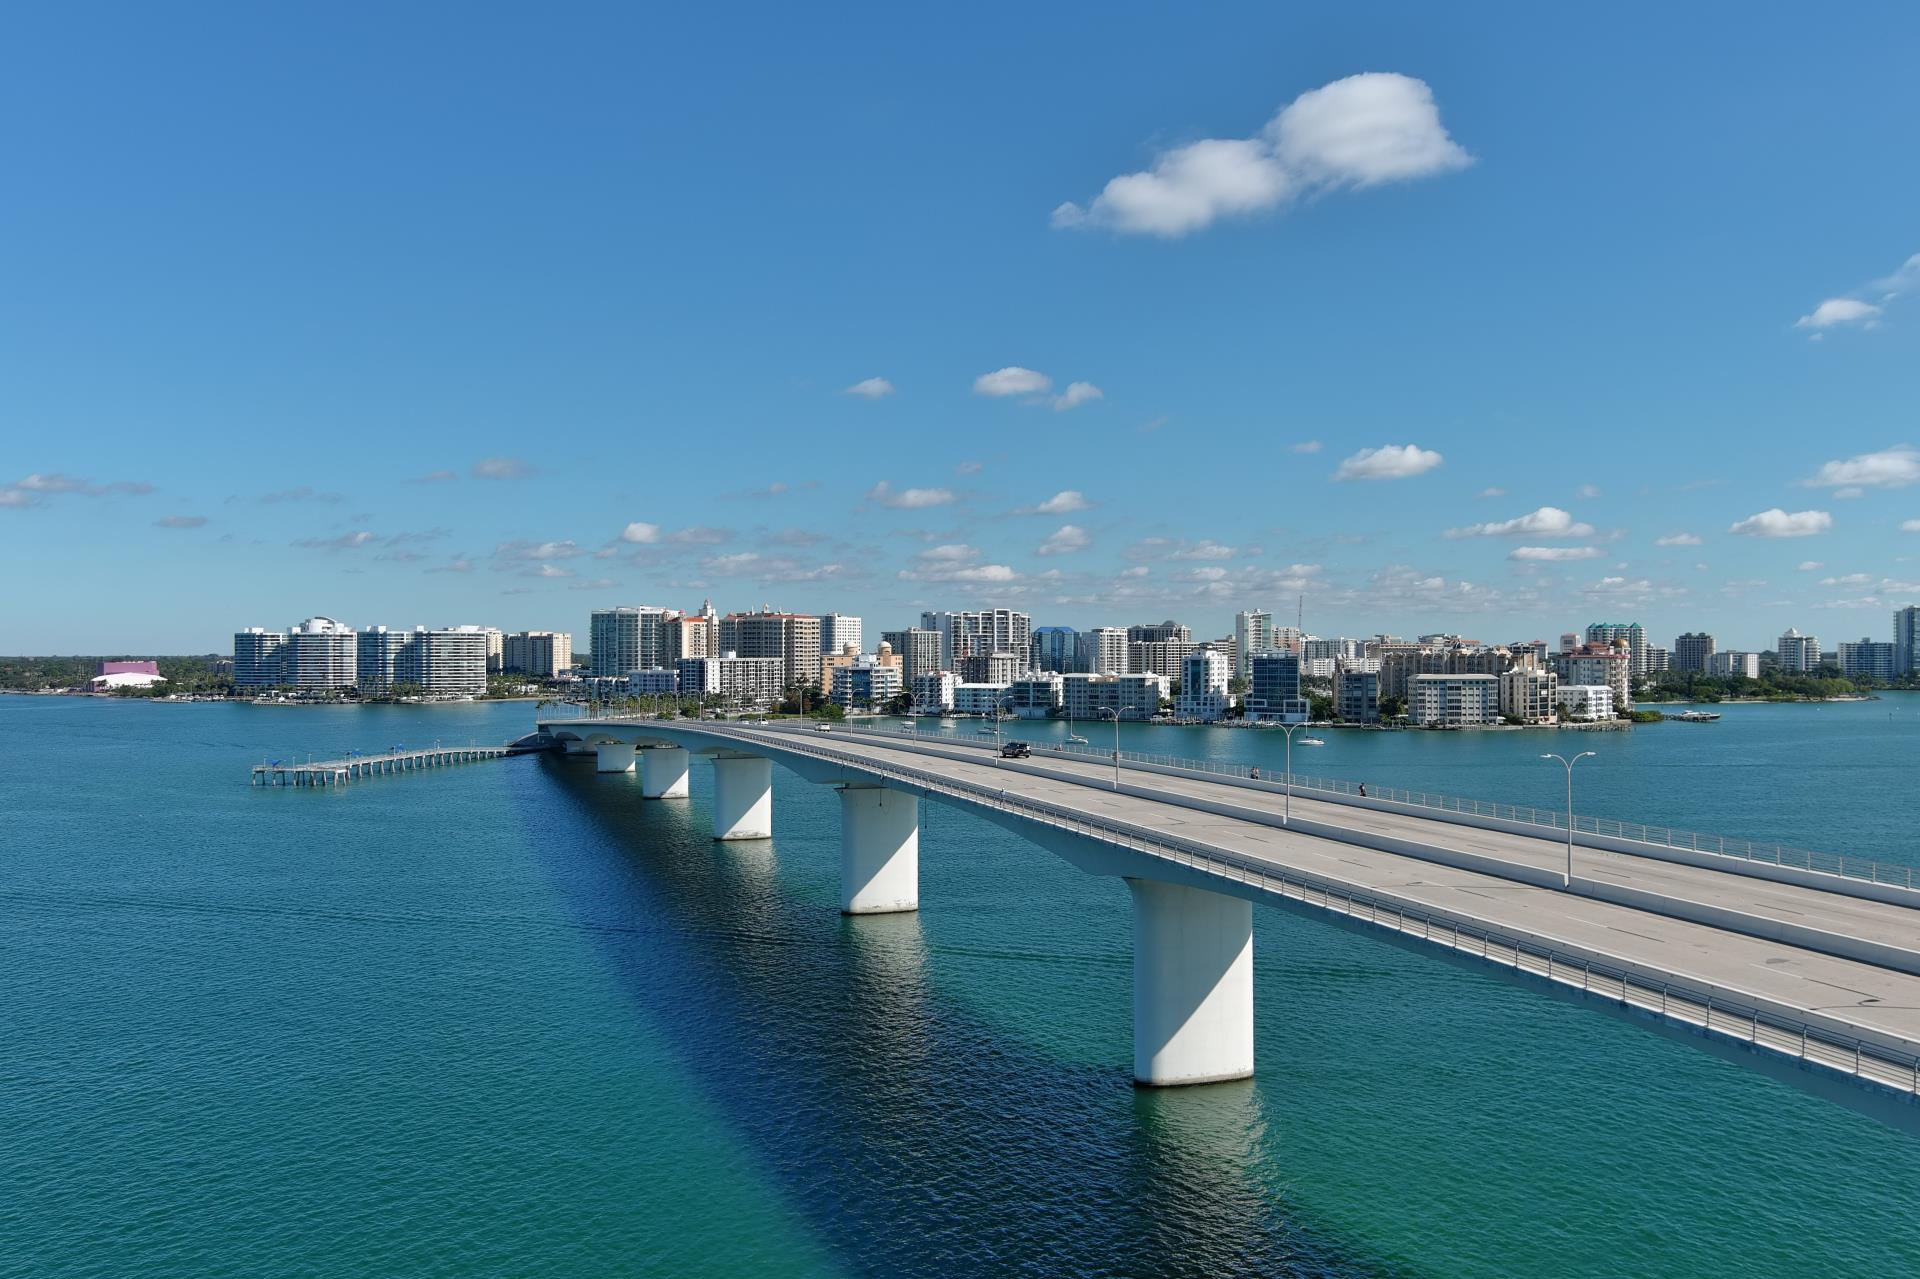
(1553, 554)
(641, 533)
(1077, 393)
(955, 562)
(1677, 539)
(1067, 539)
(1065, 502)
(1548, 521)
(1856, 311)
(501, 468)
(1779, 523)
(884, 494)
(1359, 132)
(873, 388)
(1837, 311)
(1204, 549)
(1891, 468)
(181, 521)
(1910, 526)
(1810, 566)
(1389, 462)
(1012, 380)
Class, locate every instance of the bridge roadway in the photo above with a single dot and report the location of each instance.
(1786, 954)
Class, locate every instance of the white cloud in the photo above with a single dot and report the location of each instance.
(1891, 468)
(1358, 132)
(873, 388)
(1548, 521)
(1205, 549)
(1206, 574)
(1012, 380)
(640, 532)
(1065, 502)
(1910, 526)
(1677, 539)
(1141, 570)
(1077, 393)
(729, 565)
(345, 542)
(884, 494)
(1491, 492)
(955, 562)
(501, 468)
(1851, 581)
(1778, 523)
(1389, 462)
(548, 570)
(536, 551)
(1837, 311)
(1306, 446)
(1810, 566)
(1553, 554)
(1067, 539)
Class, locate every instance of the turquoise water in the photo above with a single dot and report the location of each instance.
(506, 1019)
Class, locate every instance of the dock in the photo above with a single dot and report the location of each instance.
(338, 772)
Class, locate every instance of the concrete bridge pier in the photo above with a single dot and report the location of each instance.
(613, 757)
(1192, 985)
(742, 797)
(663, 772)
(879, 850)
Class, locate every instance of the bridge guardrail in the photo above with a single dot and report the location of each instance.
(1671, 1000)
(1547, 819)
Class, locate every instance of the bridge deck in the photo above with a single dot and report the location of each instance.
(1877, 1000)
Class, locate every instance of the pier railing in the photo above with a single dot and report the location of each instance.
(1679, 1001)
(1549, 821)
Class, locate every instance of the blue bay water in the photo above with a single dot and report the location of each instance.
(507, 1019)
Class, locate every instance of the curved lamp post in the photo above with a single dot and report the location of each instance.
(1567, 878)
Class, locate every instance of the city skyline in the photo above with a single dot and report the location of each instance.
(1154, 330)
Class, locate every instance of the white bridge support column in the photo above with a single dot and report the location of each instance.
(1192, 985)
(663, 772)
(742, 797)
(879, 851)
(613, 757)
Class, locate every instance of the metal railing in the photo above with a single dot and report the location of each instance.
(1549, 821)
(1671, 999)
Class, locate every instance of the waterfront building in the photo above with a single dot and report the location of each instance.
(657, 681)
(1035, 695)
(1102, 651)
(1869, 658)
(1134, 696)
(933, 692)
(496, 649)
(321, 656)
(837, 630)
(1454, 701)
(733, 679)
(1203, 695)
(1799, 654)
(379, 660)
(991, 668)
(1273, 691)
(793, 638)
(1252, 633)
(259, 658)
(1586, 702)
(1658, 659)
(849, 656)
(1693, 652)
(866, 681)
(1632, 632)
(979, 632)
(1733, 662)
(1054, 648)
(1356, 693)
(1906, 640)
(918, 649)
(1529, 695)
(108, 676)
(542, 654)
(979, 698)
(1599, 664)
(628, 638)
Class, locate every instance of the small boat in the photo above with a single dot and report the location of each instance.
(1697, 717)
(1076, 739)
(1312, 741)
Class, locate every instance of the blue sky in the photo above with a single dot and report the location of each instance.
(436, 314)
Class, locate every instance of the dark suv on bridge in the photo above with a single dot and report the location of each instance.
(1015, 750)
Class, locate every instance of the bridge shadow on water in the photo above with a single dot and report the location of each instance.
(909, 1134)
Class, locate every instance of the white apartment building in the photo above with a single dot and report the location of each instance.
(1734, 662)
(918, 650)
(1103, 651)
(980, 632)
(542, 654)
(322, 655)
(1799, 654)
(1252, 633)
(1586, 702)
(794, 638)
(979, 698)
(1530, 695)
(736, 680)
(1632, 632)
(1131, 696)
(1591, 664)
(1870, 658)
(865, 682)
(629, 639)
(1906, 640)
(1454, 701)
(658, 681)
(1204, 674)
(837, 631)
(1158, 657)
(933, 692)
(1035, 695)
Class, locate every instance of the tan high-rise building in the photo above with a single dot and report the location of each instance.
(792, 637)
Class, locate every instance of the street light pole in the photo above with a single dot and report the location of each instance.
(1116, 745)
(1567, 877)
(1286, 807)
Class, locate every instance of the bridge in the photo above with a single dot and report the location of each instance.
(1796, 959)
(338, 772)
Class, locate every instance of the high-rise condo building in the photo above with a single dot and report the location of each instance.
(837, 630)
(1632, 632)
(978, 633)
(1906, 640)
(1102, 651)
(542, 654)
(259, 658)
(1160, 633)
(1204, 673)
(1273, 691)
(1252, 633)
(918, 650)
(322, 655)
(444, 662)
(1870, 658)
(794, 638)
(1055, 649)
(1693, 652)
(628, 639)
(1799, 654)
